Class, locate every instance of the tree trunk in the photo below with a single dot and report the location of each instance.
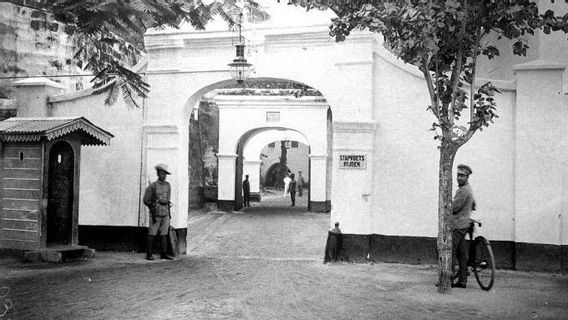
(447, 155)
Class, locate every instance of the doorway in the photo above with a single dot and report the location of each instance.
(60, 194)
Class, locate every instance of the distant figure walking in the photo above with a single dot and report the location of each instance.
(246, 192)
(301, 182)
(292, 189)
(286, 183)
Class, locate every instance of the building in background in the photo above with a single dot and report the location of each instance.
(373, 164)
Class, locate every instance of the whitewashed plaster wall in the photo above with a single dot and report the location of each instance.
(553, 47)
(110, 175)
(183, 66)
(541, 173)
(519, 162)
(406, 185)
(370, 97)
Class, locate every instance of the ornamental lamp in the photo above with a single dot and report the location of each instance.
(240, 69)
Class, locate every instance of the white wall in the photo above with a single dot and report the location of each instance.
(110, 175)
(379, 109)
(406, 165)
(518, 178)
(540, 162)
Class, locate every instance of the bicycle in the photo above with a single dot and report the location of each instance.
(483, 263)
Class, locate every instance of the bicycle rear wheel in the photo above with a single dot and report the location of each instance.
(484, 266)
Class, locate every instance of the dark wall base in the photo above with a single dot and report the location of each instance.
(423, 250)
(504, 253)
(541, 257)
(182, 240)
(120, 238)
(319, 206)
(6, 252)
(355, 247)
(226, 205)
(411, 250)
(113, 238)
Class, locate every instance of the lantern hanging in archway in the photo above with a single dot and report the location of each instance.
(240, 68)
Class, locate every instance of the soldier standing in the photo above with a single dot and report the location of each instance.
(157, 199)
(246, 192)
(462, 206)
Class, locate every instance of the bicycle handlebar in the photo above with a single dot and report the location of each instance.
(475, 221)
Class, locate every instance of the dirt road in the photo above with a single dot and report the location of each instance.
(263, 263)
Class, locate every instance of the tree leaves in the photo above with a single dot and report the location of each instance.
(111, 33)
(443, 38)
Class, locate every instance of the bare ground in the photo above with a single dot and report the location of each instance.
(263, 263)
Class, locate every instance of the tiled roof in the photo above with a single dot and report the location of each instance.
(33, 129)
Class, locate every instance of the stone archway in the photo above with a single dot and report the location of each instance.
(275, 174)
(248, 153)
(242, 117)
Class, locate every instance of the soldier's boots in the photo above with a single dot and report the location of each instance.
(149, 243)
(164, 247)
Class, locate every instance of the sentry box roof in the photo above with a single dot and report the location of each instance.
(33, 129)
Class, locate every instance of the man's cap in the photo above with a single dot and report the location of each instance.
(465, 169)
(162, 167)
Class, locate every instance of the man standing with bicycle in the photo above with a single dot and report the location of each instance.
(462, 206)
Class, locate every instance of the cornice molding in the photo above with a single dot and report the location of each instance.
(230, 101)
(354, 126)
(160, 128)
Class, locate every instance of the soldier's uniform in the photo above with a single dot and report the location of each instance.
(157, 199)
(462, 206)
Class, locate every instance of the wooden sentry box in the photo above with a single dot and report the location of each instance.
(39, 180)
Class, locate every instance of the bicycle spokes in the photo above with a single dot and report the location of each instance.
(484, 264)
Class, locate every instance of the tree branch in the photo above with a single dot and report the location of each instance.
(472, 84)
(455, 82)
(465, 138)
(433, 94)
(457, 69)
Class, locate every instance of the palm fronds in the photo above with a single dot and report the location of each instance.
(111, 34)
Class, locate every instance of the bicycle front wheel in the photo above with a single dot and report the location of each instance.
(484, 266)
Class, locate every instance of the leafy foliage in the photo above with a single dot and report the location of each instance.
(443, 38)
(111, 34)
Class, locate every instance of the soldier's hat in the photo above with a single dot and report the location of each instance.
(464, 169)
(162, 167)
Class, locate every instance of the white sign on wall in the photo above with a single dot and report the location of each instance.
(353, 161)
(272, 116)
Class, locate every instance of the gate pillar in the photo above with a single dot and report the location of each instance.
(318, 184)
(226, 188)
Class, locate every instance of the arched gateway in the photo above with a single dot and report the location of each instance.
(245, 121)
(375, 162)
(183, 66)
